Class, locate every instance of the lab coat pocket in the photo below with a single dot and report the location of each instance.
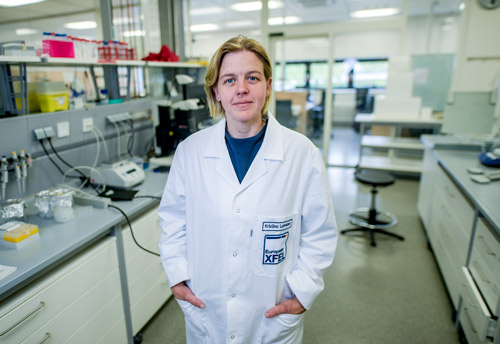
(195, 322)
(284, 328)
(272, 244)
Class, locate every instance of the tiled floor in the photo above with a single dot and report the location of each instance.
(392, 293)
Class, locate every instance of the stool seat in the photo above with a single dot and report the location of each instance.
(371, 219)
(374, 178)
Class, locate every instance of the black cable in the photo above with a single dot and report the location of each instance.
(86, 180)
(147, 196)
(55, 163)
(131, 231)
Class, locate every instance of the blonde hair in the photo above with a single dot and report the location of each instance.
(239, 43)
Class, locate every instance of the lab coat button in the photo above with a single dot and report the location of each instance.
(232, 337)
(237, 211)
(235, 254)
(233, 296)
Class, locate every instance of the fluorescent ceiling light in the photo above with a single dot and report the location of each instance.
(81, 25)
(204, 27)
(24, 32)
(206, 11)
(239, 23)
(281, 20)
(135, 33)
(255, 5)
(15, 3)
(462, 6)
(375, 12)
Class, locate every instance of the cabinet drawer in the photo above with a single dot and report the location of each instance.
(474, 313)
(83, 310)
(26, 311)
(454, 199)
(485, 264)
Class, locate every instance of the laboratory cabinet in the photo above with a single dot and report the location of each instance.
(448, 222)
(80, 301)
(463, 229)
(147, 282)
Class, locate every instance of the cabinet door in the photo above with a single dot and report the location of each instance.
(147, 281)
(426, 187)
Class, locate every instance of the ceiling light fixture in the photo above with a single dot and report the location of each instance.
(255, 5)
(239, 23)
(15, 3)
(83, 25)
(461, 7)
(206, 11)
(25, 32)
(204, 27)
(285, 20)
(375, 12)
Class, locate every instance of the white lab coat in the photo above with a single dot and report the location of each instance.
(243, 248)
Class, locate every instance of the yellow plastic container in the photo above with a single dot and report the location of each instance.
(52, 96)
(33, 104)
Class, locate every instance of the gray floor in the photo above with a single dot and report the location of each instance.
(392, 293)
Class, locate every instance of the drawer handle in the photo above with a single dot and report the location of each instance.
(486, 247)
(469, 297)
(480, 271)
(42, 304)
(46, 338)
(470, 320)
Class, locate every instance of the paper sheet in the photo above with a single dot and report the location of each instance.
(6, 271)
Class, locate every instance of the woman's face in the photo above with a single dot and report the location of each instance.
(242, 88)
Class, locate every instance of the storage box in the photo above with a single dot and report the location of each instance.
(18, 234)
(33, 104)
(52, 96)
(56, 48)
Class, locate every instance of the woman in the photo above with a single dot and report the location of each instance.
(247, 220)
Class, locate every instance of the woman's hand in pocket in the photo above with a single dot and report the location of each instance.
(182, 292)
(291, 306)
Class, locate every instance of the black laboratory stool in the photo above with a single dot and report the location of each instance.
(371, 219)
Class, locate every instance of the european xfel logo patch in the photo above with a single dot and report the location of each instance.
(274, 248)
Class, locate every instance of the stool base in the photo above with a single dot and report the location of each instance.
(372, 221)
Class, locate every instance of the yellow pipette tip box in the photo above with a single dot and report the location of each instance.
(20, 233)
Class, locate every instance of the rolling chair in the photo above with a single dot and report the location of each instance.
(371, 219)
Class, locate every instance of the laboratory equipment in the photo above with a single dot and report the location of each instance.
(17, 169)
(5, 174)
(122, 174)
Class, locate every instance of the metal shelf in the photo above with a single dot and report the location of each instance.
(391, 164)
(374, 141)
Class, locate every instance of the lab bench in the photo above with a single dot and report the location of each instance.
(86, 280)
(462, 222)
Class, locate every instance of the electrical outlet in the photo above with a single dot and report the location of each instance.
(88, 124)
(49, 132)
(62, 129)
(40, 134)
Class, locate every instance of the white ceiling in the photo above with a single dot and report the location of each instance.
(309, 11)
